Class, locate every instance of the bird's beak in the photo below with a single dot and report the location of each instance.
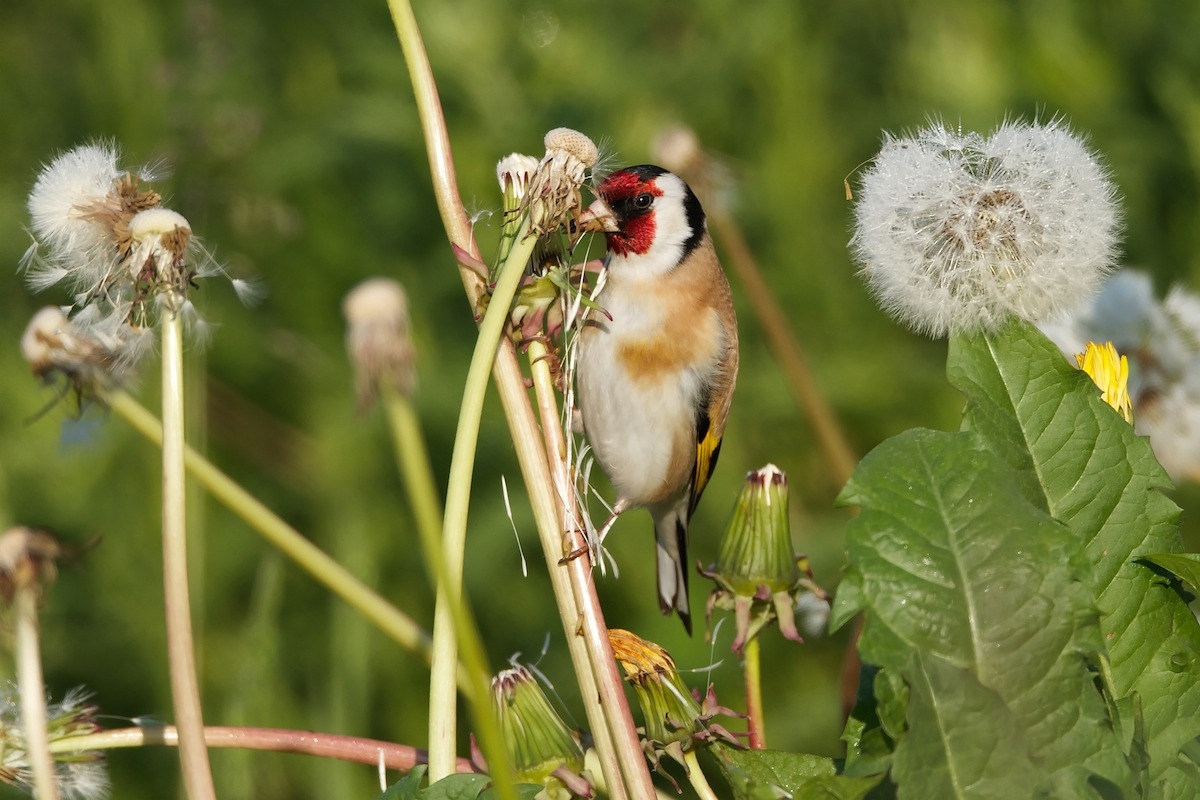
(598, 217)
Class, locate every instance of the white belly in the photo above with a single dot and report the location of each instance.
(637, 429)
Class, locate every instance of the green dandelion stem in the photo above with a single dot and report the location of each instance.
(393, 622)
(754, 701)
(33, 691)
(454, 534)
(696, 777)
(181, 655)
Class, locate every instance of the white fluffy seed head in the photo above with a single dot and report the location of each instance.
(956, 231)
(64, 191)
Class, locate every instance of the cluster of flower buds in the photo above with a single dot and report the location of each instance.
(758, 575)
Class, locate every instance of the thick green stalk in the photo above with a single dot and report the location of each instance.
(399, 627)
(696, 777)
(32, 691)
(454, 529)
(413, 457)
(185, 688)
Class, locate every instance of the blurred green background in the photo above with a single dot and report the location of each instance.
(298, 157)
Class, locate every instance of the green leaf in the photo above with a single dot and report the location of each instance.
(1075, 457)
(957, 570)
(868, 745)
(1185, 566)
(461, 786)
(770, 774)
(964, 740)
(408, 787)
(525, 791)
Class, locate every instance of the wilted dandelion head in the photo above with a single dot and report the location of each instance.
(553, 194)
(78, 775)
(514, 172)
(28, 558)
(378, 338)
(55, 349)
(956, 231)
(103, 234)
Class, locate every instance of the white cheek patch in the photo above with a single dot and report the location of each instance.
(671, 233)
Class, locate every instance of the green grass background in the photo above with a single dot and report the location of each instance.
(297, 156)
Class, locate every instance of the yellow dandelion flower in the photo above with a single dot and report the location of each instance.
(1109, 371)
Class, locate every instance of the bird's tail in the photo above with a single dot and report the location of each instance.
(671, 536)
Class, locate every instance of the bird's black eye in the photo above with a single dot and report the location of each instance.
(643, 200)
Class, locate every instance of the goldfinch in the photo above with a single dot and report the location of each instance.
(656, 374)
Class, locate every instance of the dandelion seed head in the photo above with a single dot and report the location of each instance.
(64, 191)
(78, 775)
(956, 231)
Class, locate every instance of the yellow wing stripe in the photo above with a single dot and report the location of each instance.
(707, 450)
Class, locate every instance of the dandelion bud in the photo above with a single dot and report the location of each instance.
(553, 194)
(539, 745)
(676, 722)
(957, 232)
(757, 573)
(378, 339)
(1111, 373)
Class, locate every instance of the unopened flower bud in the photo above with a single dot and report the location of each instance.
(757, 573)
(540, 747)
(378, 339)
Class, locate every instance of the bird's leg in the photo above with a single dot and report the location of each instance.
(620, 507)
